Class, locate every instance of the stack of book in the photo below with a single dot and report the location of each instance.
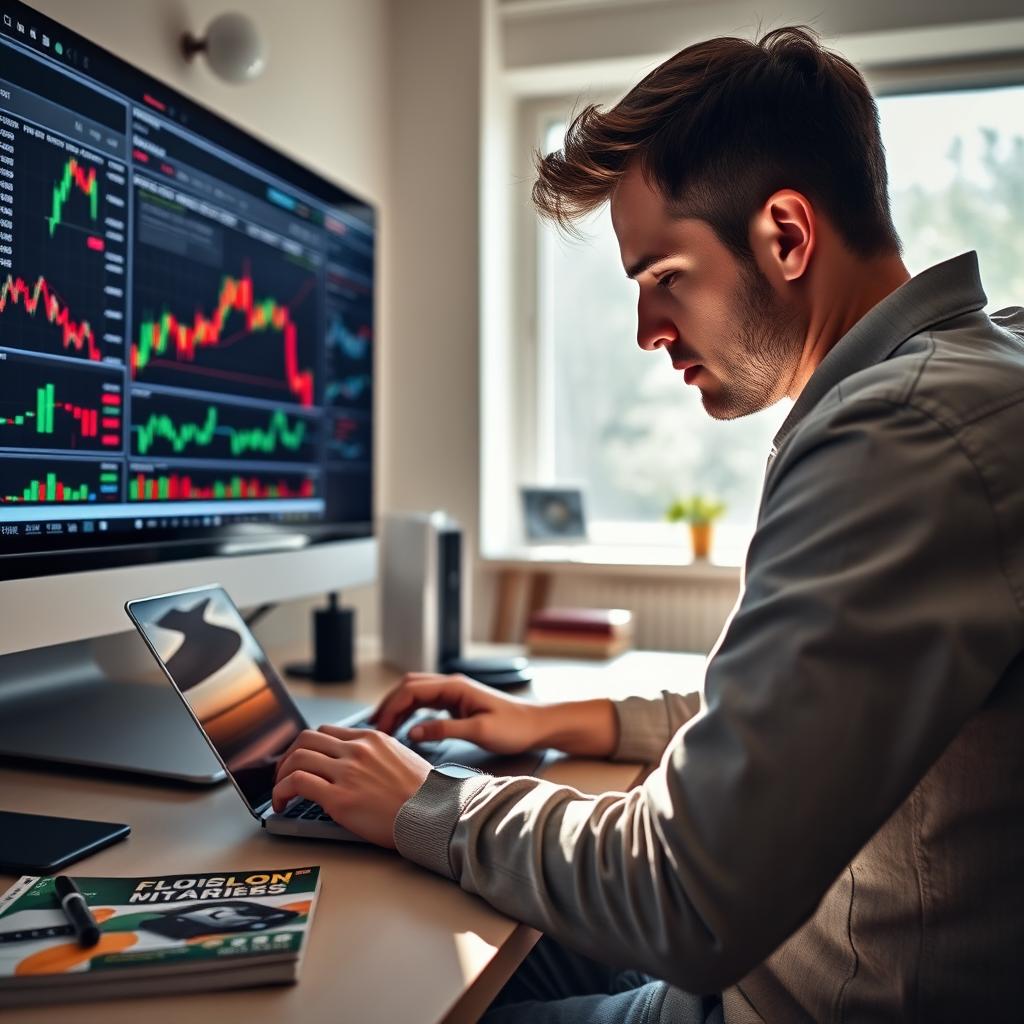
(172, 933)
(580, 632)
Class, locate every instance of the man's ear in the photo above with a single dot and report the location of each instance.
(783, 236)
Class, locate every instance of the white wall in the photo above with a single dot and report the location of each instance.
(433, 373)
(324, 98)
(567, 32)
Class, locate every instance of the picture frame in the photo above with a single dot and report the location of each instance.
(553, 515)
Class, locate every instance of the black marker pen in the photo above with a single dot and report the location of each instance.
(77, 911)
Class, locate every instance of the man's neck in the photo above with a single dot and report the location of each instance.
(840, 295)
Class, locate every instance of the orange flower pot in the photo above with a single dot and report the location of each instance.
(700, 534)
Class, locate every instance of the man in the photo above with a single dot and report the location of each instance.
(835, 830)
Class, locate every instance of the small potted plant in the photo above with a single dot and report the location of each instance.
(700, 512)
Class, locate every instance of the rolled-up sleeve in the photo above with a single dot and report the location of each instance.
(875, 619)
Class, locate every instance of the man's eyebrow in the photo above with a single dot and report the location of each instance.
(644, 264)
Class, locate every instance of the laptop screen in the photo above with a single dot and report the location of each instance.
(207, 651)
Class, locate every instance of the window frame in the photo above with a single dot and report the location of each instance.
(531, 349)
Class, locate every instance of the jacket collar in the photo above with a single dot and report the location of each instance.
(939, 293)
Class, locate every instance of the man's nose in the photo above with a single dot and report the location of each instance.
(653, 332)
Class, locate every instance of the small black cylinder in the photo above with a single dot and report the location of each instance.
(333, 639)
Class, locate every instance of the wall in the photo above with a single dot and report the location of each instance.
(324, 98)
(432, 378)
(566, 32)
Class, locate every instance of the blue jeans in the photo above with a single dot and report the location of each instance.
(554, 985)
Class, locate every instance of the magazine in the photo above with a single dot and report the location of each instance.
(170, 933)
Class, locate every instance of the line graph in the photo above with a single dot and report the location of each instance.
(76, 336)
(349, 439)
(69, 240)
(236, 295)
(239, 319)
(170, 426)
(352, 344)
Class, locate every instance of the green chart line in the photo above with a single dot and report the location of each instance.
(74, 174)
(279, 432)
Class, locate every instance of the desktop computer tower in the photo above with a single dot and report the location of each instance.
(422, 591)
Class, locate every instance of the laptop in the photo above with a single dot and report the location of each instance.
(239, 703)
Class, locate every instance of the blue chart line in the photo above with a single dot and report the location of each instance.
(349, 451)
(354, 346)
(348, 441)
(348, 388)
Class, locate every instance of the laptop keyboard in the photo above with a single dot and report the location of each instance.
(307, 811)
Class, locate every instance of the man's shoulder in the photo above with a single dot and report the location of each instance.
(966, 374)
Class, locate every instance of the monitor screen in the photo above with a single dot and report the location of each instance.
(186, 322)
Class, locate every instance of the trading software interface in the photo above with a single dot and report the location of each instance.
(185, 332)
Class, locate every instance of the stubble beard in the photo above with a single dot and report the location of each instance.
(768, 348)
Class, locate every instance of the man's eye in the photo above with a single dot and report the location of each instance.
(667, 280)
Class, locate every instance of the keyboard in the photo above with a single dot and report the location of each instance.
(307, 810)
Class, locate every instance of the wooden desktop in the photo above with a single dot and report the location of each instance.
(390, 942)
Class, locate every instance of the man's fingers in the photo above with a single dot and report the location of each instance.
(417, 693)
(304, 784)
(312, 761)
(341, 732)
(308, 739)
(446, 728)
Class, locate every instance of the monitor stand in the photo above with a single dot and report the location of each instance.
(70, 706)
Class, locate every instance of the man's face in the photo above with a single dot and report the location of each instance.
(716, 316)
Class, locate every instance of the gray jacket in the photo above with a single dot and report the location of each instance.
(835, 832)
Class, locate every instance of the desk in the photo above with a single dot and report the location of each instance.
(390, 942)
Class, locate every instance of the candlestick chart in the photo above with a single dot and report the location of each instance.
(59, 408)
(62, 281)
(227, 332)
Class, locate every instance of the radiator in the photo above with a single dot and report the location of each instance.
(668, 614)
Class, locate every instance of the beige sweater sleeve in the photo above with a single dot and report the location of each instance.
(646, 725)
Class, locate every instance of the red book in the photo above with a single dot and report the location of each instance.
(598, 621)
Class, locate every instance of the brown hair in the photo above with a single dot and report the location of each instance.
(721, 126)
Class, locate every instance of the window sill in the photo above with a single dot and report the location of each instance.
(633, 549)
(676, 562)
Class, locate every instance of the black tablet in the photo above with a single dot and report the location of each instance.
(33, 844)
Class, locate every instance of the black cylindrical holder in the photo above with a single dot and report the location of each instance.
(333, 645)
(333, 633)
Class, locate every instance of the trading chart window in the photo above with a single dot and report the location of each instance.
(186, 317)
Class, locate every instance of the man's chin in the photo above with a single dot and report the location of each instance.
(721, 403)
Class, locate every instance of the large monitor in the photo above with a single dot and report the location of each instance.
(186, 350)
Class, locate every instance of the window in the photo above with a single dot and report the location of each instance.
(956, 181)
(622, 423)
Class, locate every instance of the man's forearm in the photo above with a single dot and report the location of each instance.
(584, 728)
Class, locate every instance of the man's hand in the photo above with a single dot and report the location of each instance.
(506, 725)
(494, 721)
(359, 777)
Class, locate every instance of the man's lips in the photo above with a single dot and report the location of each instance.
(690, 368)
